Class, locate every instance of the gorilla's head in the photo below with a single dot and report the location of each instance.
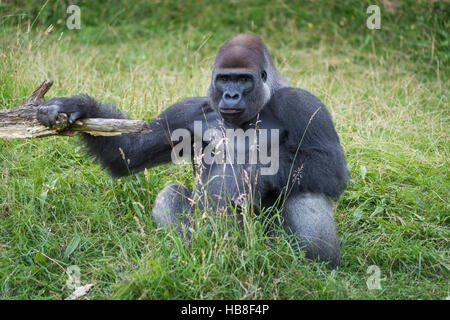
(243, 79)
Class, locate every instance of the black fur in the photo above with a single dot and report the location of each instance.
(319, 164)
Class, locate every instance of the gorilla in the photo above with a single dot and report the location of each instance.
(247, 92)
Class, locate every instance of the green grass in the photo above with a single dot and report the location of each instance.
(387, 90)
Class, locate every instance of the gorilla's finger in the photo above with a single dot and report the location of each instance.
(52, 114)
(74, 117)
(41, 116)
(47, 114)
(42, 119)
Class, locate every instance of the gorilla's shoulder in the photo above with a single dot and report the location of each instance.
(192, 106)
(296, 100)
(195, 102)
(298, 108)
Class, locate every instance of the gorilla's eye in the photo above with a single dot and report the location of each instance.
(223, 78)
(264, 76)
(243, 79)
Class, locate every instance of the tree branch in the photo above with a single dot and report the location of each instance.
(21, 122)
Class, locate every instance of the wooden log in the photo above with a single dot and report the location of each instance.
(21, 122)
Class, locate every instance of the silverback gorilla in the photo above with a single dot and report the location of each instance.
(246, 92)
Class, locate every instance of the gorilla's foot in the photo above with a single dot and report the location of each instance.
(173, 207)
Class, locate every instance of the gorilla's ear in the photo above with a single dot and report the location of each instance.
(264, 75)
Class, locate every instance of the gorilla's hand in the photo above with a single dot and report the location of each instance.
(74, 107)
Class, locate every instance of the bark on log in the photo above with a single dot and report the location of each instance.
(21, 122)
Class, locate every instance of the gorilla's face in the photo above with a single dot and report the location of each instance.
(238, 95)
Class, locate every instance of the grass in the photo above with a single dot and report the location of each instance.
(387, 91)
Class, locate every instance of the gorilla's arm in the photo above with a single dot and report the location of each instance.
(128, 153)
(315, 151)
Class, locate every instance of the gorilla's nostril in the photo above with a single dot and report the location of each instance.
(232, 97)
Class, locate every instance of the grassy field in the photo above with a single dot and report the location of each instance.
(387, 90)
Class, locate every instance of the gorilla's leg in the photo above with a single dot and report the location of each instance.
(310, 217)
(173, 207)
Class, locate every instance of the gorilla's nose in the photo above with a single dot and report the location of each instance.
(231, 99)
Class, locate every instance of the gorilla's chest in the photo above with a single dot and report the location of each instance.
(232, 163)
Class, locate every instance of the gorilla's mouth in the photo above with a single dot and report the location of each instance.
(230, 110)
